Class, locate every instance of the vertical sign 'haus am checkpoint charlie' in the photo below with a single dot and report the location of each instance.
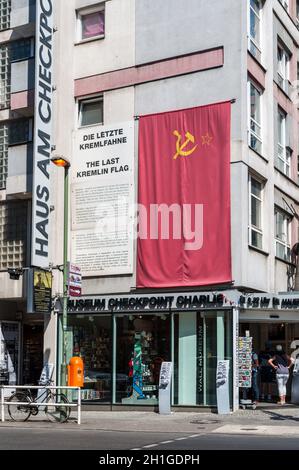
(42, 133)
(102, 199)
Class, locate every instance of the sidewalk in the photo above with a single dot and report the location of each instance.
(262, 420)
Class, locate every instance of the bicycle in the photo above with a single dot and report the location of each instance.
(52, 399)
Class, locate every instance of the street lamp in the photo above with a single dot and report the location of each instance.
(61, 161)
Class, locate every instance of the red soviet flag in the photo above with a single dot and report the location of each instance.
(184, 198)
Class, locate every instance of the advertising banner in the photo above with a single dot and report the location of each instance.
(102, 199)
(184, 194)
(42, 134)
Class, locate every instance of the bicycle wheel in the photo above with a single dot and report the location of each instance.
(19, 412)
(56, 412)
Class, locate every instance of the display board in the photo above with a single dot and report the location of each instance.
(245, 361)
(222, 386)
(102, 199)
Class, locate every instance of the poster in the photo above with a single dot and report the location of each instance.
(42, 291)
(102, 200)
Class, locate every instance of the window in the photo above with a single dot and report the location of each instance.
(4, 77)
(255, 212)
(285, 3)
(21, 50)
(3, 154)
(91, 112)
(255, 129)
(255, 28)
(283, 59)
(282, 235)
(297, 10)
(283, 160)
(20, 131)
(13, 234)
(5, 7)
(91, 23)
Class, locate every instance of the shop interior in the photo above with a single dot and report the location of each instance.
(141, 343)
(265, 338)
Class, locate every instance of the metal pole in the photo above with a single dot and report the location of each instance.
(65, 287)
(79, 405)
(2, 404)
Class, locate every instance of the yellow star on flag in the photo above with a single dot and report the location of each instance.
(206, 139)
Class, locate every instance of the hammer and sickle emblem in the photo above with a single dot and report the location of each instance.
(180, 147)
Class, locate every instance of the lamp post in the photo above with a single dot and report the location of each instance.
(63, 162)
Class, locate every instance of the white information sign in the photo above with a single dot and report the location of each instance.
(102, 199)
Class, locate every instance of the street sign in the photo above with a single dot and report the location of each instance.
(74, 280)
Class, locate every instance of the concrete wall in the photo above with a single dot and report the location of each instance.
(117, 50)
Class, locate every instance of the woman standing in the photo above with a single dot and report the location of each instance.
(281, 363)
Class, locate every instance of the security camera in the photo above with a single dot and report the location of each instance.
(15, 273)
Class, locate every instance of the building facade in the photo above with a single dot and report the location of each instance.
(113, 62)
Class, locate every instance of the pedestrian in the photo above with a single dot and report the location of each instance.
(267, 373)
(281, 362)
(255, 377)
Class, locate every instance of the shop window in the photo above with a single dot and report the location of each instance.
(91, 337)
(91, 112)
(255, 212)
(282, 235)
(91, 23)
(143, 343)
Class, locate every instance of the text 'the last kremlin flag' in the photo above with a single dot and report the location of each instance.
(184, 198)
